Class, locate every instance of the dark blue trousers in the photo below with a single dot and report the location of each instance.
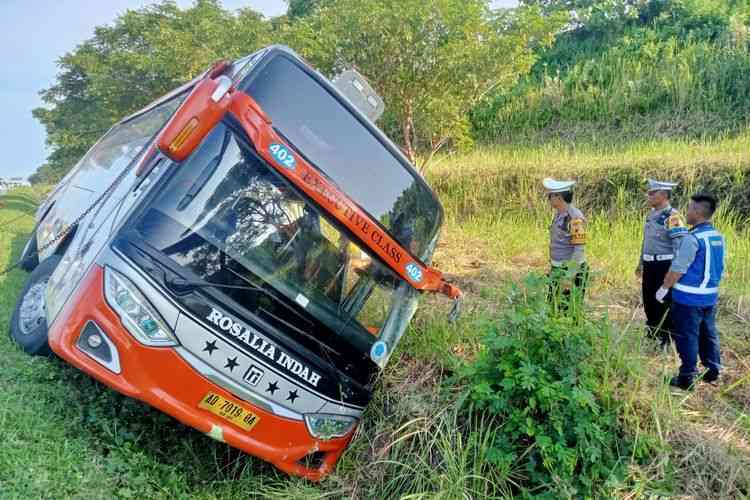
(695, 335)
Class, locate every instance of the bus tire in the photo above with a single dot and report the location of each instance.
(28, 325)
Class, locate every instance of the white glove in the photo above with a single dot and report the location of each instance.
(661, 293)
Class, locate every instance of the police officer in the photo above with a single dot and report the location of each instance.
(694, 280)
(662, 233)
(567, 235)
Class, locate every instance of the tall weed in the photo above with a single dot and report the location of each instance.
(539, 381)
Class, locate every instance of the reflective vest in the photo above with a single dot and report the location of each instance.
(699, 286)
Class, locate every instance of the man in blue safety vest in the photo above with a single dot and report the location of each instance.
(694, 279)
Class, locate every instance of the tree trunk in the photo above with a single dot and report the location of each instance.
(436, 146)
(408, 130)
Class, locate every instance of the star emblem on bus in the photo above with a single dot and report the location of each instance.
(210, 347)
(231, 363)
(292, 396)
(272, 387)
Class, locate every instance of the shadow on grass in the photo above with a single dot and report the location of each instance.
(17, 245)
(114, 420)
(120, 428)
(19, 203)
(132, 436)
(17, 276)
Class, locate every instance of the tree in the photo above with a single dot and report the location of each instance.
(595, 15)
(431, 60)
(142, 55)
(300, 8)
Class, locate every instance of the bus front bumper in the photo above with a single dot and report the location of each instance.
(159, 377)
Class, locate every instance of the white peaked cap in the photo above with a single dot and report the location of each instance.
(654, 185)
(553, 186)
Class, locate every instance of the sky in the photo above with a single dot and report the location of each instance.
(33, 35)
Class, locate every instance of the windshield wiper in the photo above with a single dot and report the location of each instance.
(303, 333)
(320, 343)
(181, 285)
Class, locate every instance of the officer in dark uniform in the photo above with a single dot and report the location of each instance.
(567, 245)
(662, 233)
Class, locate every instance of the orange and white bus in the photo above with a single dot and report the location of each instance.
(244, 255)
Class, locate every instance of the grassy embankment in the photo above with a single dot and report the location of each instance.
(66, 436)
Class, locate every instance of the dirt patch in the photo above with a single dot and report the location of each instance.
(533, 259)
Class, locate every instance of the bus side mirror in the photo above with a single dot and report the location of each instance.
(196, 117)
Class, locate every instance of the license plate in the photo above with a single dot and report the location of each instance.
(229, 410)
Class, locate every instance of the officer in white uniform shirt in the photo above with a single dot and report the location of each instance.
(567, 241)
(662, 233)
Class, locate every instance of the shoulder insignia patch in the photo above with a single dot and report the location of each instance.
(577, 232)
(676, 225)
(664, 215)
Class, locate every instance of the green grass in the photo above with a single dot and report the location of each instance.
(611, 178)
(66, 436)
(494, 196)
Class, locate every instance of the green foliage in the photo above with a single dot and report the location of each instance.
(540, 381)
(300, 8)
(451, 71)
(592, 15)
(610, 182)
(430, 60)
(124, 66)
(668, 67)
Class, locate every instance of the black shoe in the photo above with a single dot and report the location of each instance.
(683, 383)
(710, 376)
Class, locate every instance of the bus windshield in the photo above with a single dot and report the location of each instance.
(224, 213)
(336, 142)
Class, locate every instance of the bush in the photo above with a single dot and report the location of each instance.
(539, 380)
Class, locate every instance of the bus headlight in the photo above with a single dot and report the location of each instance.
(322, 426)
(138, 316)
